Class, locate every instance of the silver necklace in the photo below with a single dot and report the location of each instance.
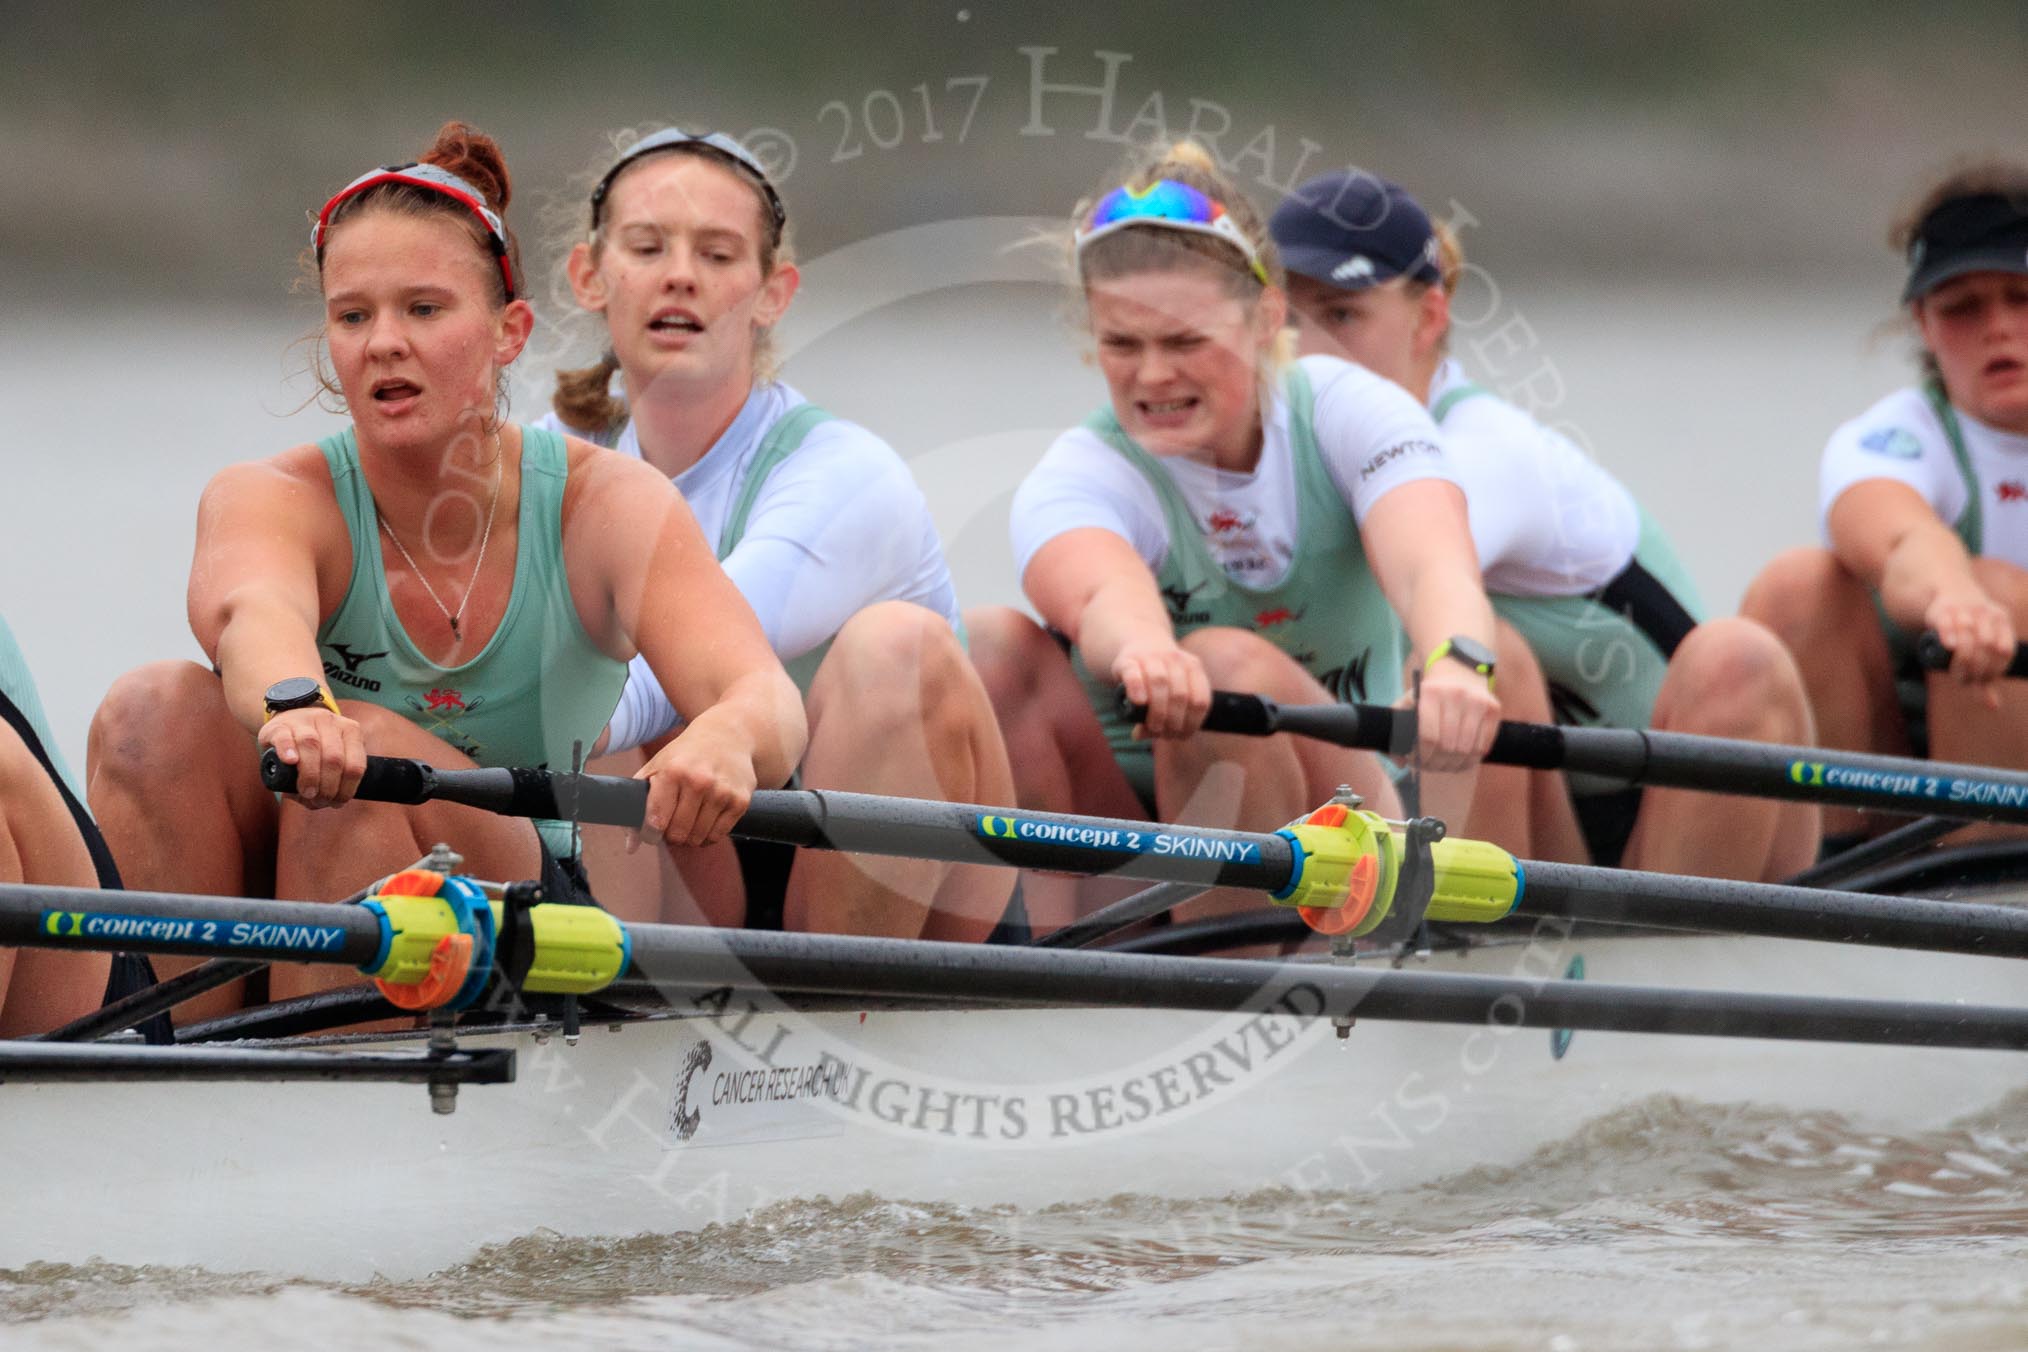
(454, 616)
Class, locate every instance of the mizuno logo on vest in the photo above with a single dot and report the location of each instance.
(349, 673)
(1178, 601)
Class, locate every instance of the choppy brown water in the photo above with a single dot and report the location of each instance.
(1669, 1225)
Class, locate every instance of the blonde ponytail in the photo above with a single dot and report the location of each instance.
(584, 397)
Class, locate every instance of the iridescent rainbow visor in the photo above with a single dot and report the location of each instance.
(1169, 205)
(717, 140)
(434, 179)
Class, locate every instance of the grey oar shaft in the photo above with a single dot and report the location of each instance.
(1668, 759)
(972, 833)
(1663, 901)
(1088, 930)
(860, 823)
(169, 922)
(680, 965)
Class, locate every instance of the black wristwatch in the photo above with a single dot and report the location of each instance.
(298, 692)
(1470, 651)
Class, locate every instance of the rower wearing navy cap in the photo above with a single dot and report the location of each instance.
(1923, 503)
(1570, 559)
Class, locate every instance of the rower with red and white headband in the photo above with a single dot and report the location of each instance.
(685, 258)
(433, 582)
(1923, 502)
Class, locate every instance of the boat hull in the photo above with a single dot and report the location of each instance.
(673, 1123)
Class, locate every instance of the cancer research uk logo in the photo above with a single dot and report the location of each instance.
(753, 1074)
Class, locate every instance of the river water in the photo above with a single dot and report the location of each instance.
(1671, 1225)
(1666, 1225)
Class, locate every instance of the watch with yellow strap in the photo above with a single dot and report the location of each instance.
(297, 692)
(1463, 648)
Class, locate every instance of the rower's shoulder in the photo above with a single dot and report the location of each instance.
(1900, 425)
(288, 475)
(1343, 393)
(595, 471)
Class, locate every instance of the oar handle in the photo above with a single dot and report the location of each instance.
(386, 780)
(1931, 653)
(600, 800)
(1363, 727)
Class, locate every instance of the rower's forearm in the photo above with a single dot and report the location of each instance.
(1923, 565)
(764, 710)
(1117, 616)
(262, 643)
(1443, 604)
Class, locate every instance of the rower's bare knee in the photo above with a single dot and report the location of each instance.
(1521, 688)
(897, 677)
(155, 722)
(1237, 660)
(1805, 592)
(1014, 657)
(1732, 677)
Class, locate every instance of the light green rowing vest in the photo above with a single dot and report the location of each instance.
(1604, 669)
(17, 683)
(1328, 612)
(783, 440)
(539, 684)
(1971, 525)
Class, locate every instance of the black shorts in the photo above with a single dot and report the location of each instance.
(564, 880)
(1607, 820)
(764, 868)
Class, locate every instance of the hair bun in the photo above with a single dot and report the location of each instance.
(475, 157)
(1187, 155)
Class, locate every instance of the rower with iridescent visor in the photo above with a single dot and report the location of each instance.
(433, 581)
(1234, 518)
(684, 264)
(1923, 505)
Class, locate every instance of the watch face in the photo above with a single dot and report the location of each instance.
(1474, 652)
(295, 690)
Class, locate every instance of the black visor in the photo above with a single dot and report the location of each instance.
(1986, 232)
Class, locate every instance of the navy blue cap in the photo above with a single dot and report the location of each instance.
(1353, 230)
(1981, 232)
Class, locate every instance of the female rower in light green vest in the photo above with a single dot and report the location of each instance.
(472, 589)
(1923, 503)
(1230, 519)
(818, 522)
(42, 840)
(1569, 558)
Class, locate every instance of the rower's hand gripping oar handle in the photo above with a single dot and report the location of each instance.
(1363, 727)
(1931, 653)
(601, 800)
(386, 780)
